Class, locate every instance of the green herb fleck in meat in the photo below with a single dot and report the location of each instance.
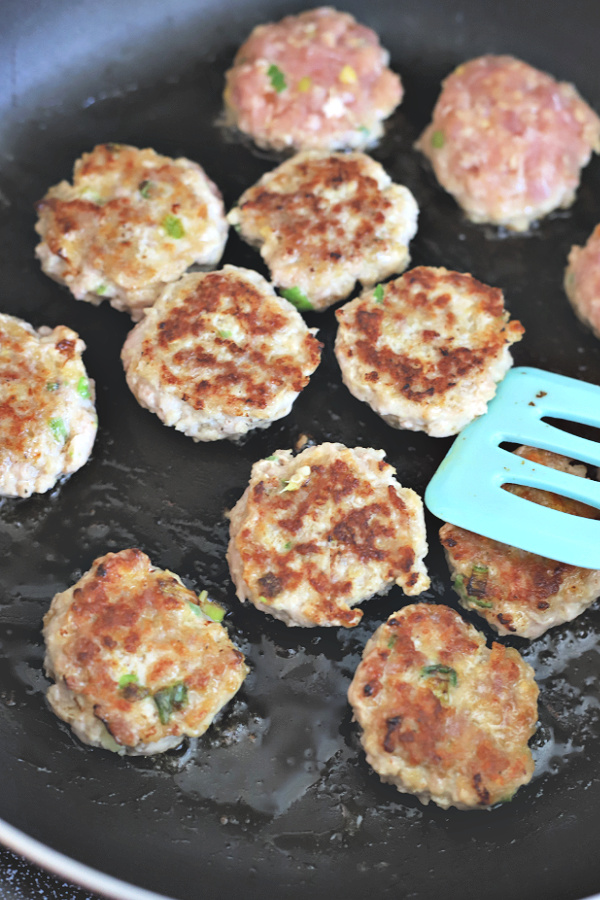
(83, 388)
(59, 430)
(297, 297)
(206, 608)
(277, 78)
(145, 188)
(438, 140)
(173, 226)
(378, 293)
(441, 679)
(170, 699)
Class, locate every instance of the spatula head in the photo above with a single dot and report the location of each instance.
(467, 489)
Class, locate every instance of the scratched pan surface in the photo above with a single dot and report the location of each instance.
(276, 797)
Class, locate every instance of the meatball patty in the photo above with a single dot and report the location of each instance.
(131, 222)
(508, 141)
(442, 716)
(582, 281)
(220, 353)
(315, 534)
(139, 661)
(426, 350)
(48, 420)
(324, 221)
(315, 81)
(518, 592)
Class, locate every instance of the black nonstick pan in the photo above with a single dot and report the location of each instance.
(276, 799)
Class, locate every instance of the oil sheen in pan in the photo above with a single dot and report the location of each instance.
(281, 772)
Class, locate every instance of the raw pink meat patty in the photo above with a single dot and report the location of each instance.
(318, 80)
(508, 141)
(582, 281)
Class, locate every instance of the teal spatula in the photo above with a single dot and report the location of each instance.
(467, 490)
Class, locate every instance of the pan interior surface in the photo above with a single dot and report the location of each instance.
(277, 794)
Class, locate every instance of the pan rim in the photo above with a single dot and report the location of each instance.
(80, 874)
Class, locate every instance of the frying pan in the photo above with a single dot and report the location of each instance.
(277, 796)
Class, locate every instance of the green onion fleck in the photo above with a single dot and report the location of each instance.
(180, 693)
(288, 545)
(437, 139)
(131, 689)
(277, 78)
(484, 604)
(459, 586)
(206, 609)
(145, 188)
(59, 430)
(378, 293)
(169, 699)
(392, 641)
(297, 297)
(225, 335)
(53, 385)
(101, 290)
(442, 678)
(363, 129)
(83, 388)
(173, 226)
(446, 673)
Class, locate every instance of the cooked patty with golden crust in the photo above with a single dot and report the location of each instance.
(324, 221)
(317, 533)
(318, 80)
(138, 660)
(131, 222)
(582, 281)
(220, 353)
(508, 141)
(426, 350)
(48, 420)
(518, 592)
(442, 716)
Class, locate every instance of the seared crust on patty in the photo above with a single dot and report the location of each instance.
(324, 221)
(131, 222)
(508, 141)
(315, 534)
(442, 716)
(48, 420)
(426, 350)
(582, 281)
(518, 592)
(220, 353)
(318, 80)
(137, 663)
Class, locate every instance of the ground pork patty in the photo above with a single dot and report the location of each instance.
(315, 81)
(48, 420)
(324, 221)
(139, 661)
(315, 534)
(582, 281)
(131, 222)
(508, 141)
(220, 353)
(518, 592)
(426, 350)
(442, 716)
